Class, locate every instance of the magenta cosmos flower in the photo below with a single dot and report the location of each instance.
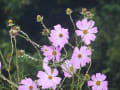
(98, 82)
(51, 53)
(81, 56)
(86, 30)
(68, 68)
(27, 84)
(48, 79)
(59, 36)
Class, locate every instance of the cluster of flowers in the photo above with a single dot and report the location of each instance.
(59, 37)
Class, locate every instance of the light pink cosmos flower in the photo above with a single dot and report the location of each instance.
(48, 79)
(68, 68)
(59, 36)
(86, 30)
(81, 56)
(0, 65)
(51, 53)
(98, 82)
(45, 49)
(27, 84)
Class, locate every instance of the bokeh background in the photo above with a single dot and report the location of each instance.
(106, 57)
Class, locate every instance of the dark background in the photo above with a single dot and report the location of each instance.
(106, 56)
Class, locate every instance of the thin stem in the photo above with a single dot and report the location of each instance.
(11, 55)
(61, 83)
(44, 25)
(26, 37)
(89, 65)
(35, 45)
(78, 79)
(10, 82)
(72, 83)
(65, 51)
(70, 45)
(72, 22)
(74, 28)
(82, 84)
(3, 59)
(18, 78)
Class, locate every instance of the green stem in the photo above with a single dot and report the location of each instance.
(89, 65)
(18, 78)
(61, 83)
(78, 79)
(10, 82)
(74, 28)
(3, 59)
(11, 55)
(6, 67)
(72, 83)
(44, 25)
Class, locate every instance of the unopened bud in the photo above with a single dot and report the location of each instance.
(45, 32)
(88, 12)
(87, 76)
(14, 28)
(68, 11)
(13, 32)
(20, 52)
(84, 9)
(39, 18)
(10, 22)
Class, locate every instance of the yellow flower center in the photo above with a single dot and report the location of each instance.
(60, 35)
(45, 50)
(30, 87)
(98, 83)
(79, 55)
(71, 68)
(50, 77)
(85, 31)
(54, 53)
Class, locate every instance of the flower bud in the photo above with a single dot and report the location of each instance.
(68, 11)
(88, 12)
(16, 28)
(10, 22)
(84, 9)
(20, 52)
(45, 32)
(89, 15)
(39, 18)
(13, 32)
(87, 77)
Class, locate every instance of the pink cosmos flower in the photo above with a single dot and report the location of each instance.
(0, 65)
(48, 79)
(81, 56)
(98, 82)
(68, 68)
(45, 49)
(27, 84)
(59, 36)
(51, 53)
(86, 30)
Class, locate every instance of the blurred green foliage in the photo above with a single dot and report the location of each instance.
(106, 47)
